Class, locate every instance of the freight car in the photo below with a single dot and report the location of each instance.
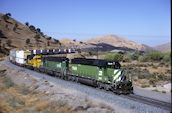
(103, 74)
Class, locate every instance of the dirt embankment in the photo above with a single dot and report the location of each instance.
(22, 93)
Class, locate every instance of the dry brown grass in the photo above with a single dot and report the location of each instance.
(17, 102)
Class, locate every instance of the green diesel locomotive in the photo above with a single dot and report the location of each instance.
(94, 72)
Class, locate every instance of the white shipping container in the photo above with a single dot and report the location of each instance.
(12, 55)
(20, 57)
(34, 52)
(69, 50)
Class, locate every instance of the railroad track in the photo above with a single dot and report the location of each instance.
(149, 101)
(144, 100)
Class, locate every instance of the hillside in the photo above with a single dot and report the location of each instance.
(118, 42)
(15, 35)
(164, 47)
(71, 43)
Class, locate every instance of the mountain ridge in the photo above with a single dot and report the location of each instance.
(15, 35)
(163, 47)
(118, 41)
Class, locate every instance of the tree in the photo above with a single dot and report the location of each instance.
(48, 43)
(1, 34)
(32, 28)
(15, 27)
(8, 14)
(27, 23)
(9, 42)
(38, 29)
(37, 37)
(27, 41)
(56, 41)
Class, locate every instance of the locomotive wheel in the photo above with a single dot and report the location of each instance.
(100, 85)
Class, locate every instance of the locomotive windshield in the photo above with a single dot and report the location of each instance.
(114, 65)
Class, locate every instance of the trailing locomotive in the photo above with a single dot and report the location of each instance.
(103, 74)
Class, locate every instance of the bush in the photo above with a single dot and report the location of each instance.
(163, 91)
(9, 42)
(27, 41)
(152, 81)
(32, 28)
(145, 85)
(48, 43)
(154, 56)
(25, 90)
(8, 82)
(1, 34)
(61, 103)
(167, 57)
(134, 55)
(27, 23)
(56, 41)
(6, 16)
(155, 90)
(38, 30)
(48, 111)
(37, 37)
(13, 102)
(142, 59)
(127, 57)
(114, 56)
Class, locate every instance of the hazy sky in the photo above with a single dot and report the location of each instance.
(143, 21)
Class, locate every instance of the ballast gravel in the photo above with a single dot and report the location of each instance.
(119, 104)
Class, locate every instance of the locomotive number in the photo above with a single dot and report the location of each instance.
(59, 65)
(74, 68)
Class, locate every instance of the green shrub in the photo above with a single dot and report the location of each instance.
(145, 85)
(163, 91)
(154, 85)
(12, 102)
(48, 111)
(61, 103)
(143, 58)
(118, 57)
(114, 56)
(2, 73)
(167, 57)
(9, 42)
(1, 34)
(109, 56)
(152, 81)
(8, 82)
(154, 56)
(155, 90)
(32, 28)
(27, 41)
(127, 57)
(134, 55)
(25, 90)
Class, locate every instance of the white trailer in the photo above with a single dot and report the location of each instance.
(21, 56)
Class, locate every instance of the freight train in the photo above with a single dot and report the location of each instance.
(103, 74)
